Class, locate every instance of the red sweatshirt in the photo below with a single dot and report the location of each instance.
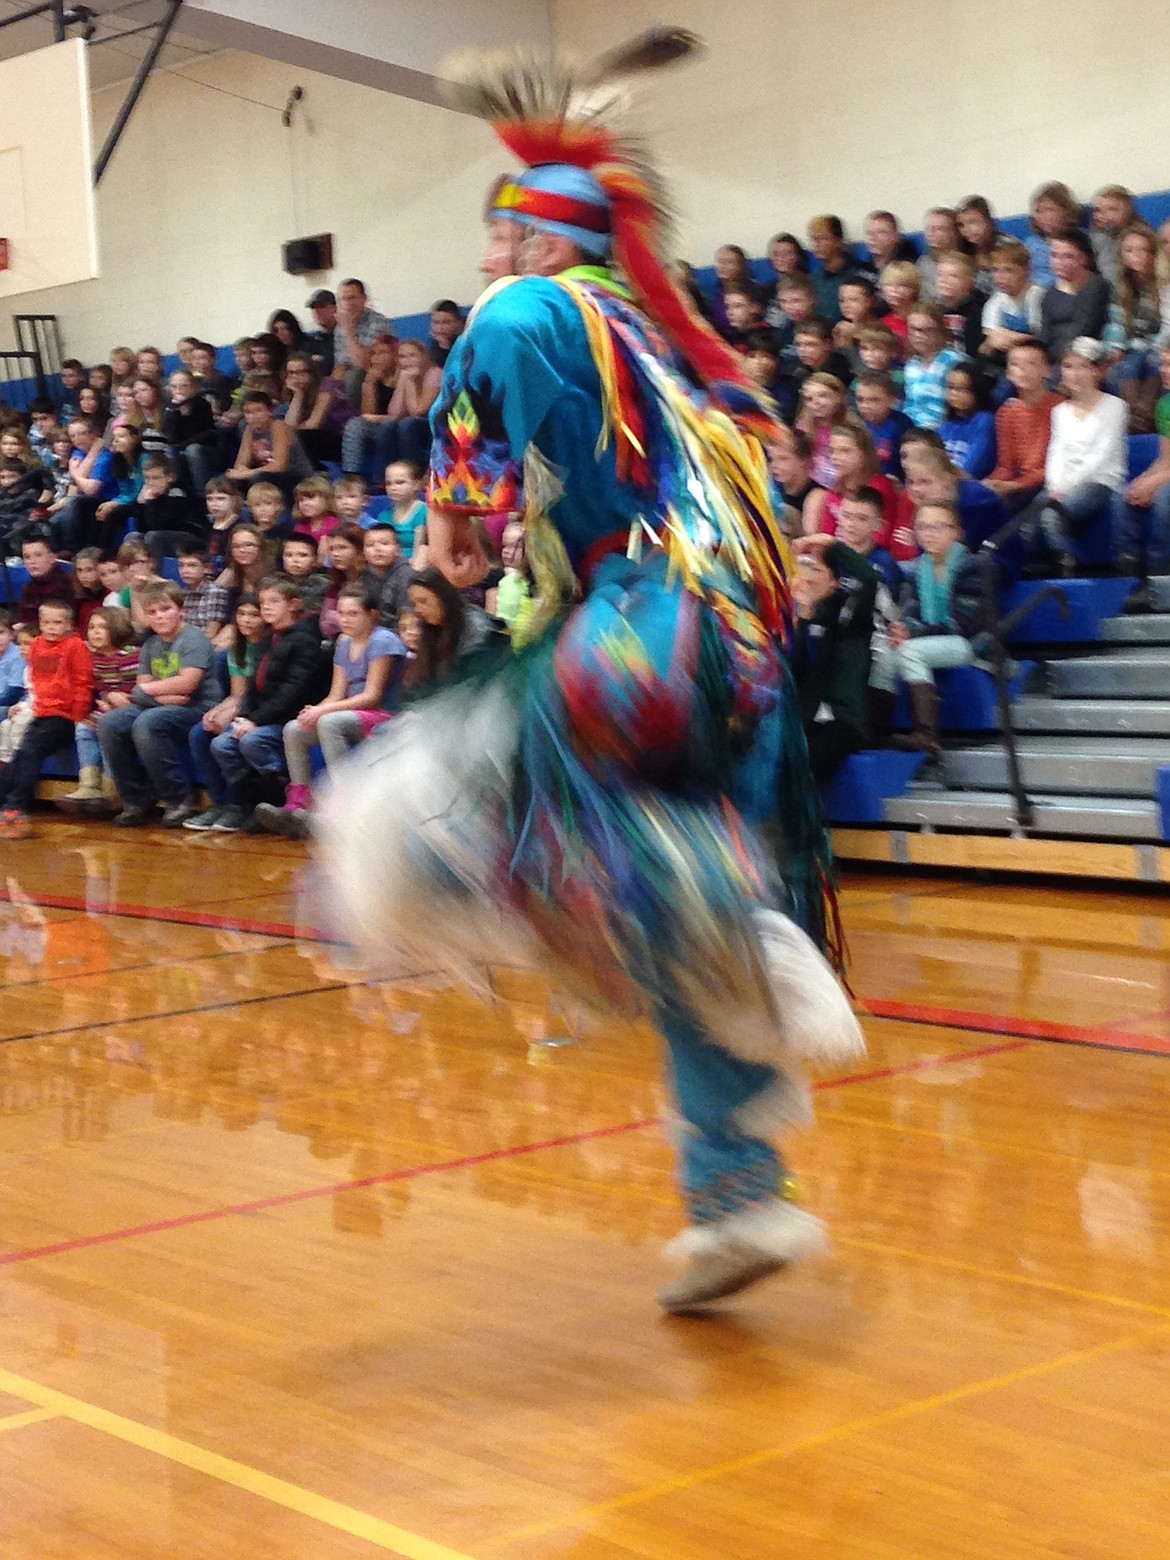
(62, 678)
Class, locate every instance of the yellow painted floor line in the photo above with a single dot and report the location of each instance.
(31, 1416)
(844, 1432)
(1024, 1280)
(359, 1524)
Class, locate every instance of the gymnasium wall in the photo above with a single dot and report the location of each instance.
(843, 105)
(207, 184)
(796, 108)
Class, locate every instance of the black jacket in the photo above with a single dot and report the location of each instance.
(830, 654)
(189, 422)
(173, 511)
(295, 669)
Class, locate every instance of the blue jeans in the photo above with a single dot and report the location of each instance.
(1139, 530)
(89, 749)
(217, 788)
(145, 751)
(236, 758)
(724, 1170)
(1057, 523)
(358, 438)
(407, 439)
(1139, 364)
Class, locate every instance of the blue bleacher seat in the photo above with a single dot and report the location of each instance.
(1164, 800)
(858, 791)
(1087, 603)
(968, 699)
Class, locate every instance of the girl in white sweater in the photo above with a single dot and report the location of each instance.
(1087, 454)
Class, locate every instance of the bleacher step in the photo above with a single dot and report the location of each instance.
(1104, 766)
(1133, 673)
(1092, 817)
(1099, 717)
(1142, 629)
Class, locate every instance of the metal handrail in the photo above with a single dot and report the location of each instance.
(997, 629)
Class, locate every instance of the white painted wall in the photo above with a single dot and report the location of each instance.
(46, 184)
(834, 105)
(844, 105)
(207, 184)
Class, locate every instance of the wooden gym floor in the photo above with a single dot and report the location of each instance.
(298, 1266)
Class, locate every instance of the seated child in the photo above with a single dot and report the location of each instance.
(293, 671)
(408, 512)
(941, 611)
(901, 285)
(968, 429)
(858, 301)
(1012, 313)
(313, 511)
(1023, 426)
(513, 595)
(88, 585)
(298, 561)
(12, 689)
(880, 352)
(22, 707)
(222, 815)
(205, 604)
(814, 348)
(114, 654)
(368, 667)
(144, 743)
(876, 400)
(224, 507)
(47, 580)
(162, 512)
(269, 516)
(141, 576)
(347, 564)
(113, 581)
(18, 500)
(833, 592)
(61, 680)
(351, 499)
(961, 302)
(387, 572)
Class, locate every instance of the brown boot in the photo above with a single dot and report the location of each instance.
(924, 704)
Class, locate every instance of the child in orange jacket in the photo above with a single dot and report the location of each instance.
(60, 673)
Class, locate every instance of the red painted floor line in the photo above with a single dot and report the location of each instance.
(1111, 1037)
(412, 1172)
(162, 913)
(1104, 1036)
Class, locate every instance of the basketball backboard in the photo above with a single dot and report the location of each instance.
(47, 213)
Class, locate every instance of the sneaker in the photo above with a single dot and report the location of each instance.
(291, 822)
(205, 820)
(133, 816)
(14, 824)
(735, 1252)
(175, 817)
(230, 821)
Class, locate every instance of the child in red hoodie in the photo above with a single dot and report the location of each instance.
(60, 673)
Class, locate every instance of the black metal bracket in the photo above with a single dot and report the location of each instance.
(149, 60)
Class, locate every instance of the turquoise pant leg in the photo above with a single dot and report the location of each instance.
(724, 1170)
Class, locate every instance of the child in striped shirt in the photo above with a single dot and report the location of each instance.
(114, 653)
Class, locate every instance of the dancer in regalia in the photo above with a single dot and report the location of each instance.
(625, 794)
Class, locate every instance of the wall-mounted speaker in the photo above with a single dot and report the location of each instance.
(308, 254)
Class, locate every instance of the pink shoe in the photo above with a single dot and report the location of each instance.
(298, 798)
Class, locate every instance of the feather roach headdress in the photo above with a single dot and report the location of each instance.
(588, 181)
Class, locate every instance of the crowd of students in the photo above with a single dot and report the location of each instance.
(977, 390)
(981, 388)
